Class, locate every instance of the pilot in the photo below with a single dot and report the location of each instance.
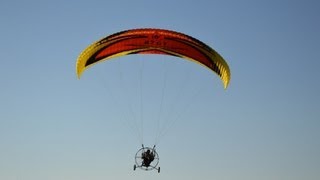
(147, 158)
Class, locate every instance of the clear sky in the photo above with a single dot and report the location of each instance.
(266, 125)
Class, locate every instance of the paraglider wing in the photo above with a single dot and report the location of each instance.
(154, 41)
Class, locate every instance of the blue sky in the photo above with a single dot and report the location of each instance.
(264, 126)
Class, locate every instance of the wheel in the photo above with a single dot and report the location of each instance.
(158, 169)
(134, 167)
